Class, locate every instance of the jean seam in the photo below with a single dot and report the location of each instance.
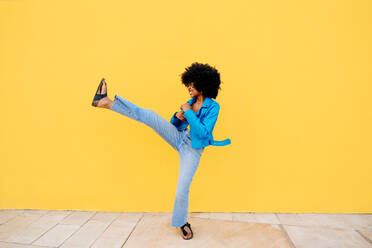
(117, 100)
(180, 145)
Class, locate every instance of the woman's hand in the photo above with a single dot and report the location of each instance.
(185, 107)
(180, 116)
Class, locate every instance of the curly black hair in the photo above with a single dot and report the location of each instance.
(206, 79)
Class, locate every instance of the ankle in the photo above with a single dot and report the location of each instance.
(107, 103)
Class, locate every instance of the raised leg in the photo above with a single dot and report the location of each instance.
(149, 117)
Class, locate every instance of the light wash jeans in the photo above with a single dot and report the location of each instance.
(179, 140)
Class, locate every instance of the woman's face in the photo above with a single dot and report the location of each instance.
(192, 91)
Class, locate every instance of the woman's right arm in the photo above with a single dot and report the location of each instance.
(179, 124)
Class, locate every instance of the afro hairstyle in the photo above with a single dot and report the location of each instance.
(206, 79)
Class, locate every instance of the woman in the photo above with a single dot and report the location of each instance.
(200, 112)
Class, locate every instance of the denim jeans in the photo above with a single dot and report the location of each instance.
(179, 140)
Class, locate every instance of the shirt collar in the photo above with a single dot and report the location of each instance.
(206, 103)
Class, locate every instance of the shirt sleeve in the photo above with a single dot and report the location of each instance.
(205, 128)
(174, 120)
(180, 125)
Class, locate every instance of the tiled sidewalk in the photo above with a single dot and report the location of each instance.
(51, 228)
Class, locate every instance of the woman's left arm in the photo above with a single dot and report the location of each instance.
(203, 129)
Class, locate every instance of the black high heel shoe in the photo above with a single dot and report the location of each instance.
(185, 232)
(98, 96)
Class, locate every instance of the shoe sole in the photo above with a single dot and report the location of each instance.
(95, 103)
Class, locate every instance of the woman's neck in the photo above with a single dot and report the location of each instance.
(200, 99)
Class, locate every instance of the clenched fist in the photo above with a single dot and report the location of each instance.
(180, 116)
(185, 107)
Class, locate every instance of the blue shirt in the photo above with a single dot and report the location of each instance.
(201, 123)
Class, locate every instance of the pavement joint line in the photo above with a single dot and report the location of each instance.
(80, 226)
(143, 214)
(44, 233)
(291, 244)
(105, 229)
(361, 234)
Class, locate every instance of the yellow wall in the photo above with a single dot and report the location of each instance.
(295, 102)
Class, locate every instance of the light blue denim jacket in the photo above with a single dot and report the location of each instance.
(201, 123)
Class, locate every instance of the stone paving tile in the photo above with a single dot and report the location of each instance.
(6, 215)
(77, 217)
(325, 220)
(324, 237)
(358, 221)
(268, 218)
(13, 245)
(200, 215)
(34, 212)
(220, 216)
(212, 215)
(289, 219)
(56, 235)
(345, 221)
(105, 217)
(158, 213)
(86, 235)
(118, 232)
(207, 233)
(128, 217)
(366, 234)
(38, 227)
(16, 224)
